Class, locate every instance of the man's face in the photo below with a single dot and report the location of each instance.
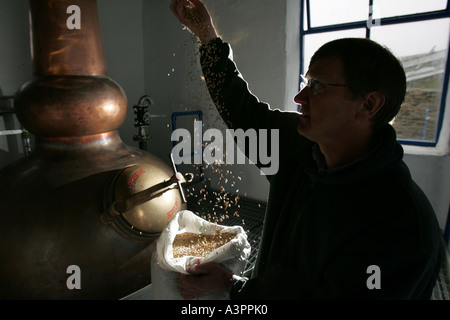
(331, 113)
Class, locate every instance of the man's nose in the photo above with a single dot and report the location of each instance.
(302, 96)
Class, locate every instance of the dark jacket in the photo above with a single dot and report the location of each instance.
(324, 230)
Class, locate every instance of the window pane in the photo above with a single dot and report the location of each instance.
(392, 8)
(315, 41)
(422, 48)
(329, 12)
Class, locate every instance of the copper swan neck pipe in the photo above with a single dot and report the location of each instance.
(60, 50)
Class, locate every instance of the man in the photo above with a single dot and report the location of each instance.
(344, 218)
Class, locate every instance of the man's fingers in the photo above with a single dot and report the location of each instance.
(196, 269)
(188, 286)
(177, 7)
(201, 269)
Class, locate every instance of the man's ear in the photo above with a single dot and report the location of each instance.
(373, 102)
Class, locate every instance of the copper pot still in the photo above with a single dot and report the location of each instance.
(82, 198)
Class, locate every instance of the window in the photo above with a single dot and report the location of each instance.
(416, 31)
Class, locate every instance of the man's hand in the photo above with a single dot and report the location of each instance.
(205, 279)
(194, 15)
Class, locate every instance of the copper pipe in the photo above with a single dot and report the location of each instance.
(58, 50)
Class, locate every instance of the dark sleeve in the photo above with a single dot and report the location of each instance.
(238, 107)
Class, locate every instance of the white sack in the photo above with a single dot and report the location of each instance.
(166, 269)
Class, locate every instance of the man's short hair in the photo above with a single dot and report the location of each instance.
(368, 67)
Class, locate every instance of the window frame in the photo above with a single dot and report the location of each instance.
(417, 17)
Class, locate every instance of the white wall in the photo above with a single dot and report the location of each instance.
(15, 68)
(15, 52)
(121, 23)
(432, 174)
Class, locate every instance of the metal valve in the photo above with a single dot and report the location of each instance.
(140, 202)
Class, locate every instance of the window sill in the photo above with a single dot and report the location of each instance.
(438, 150)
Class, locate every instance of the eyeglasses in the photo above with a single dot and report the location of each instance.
(315, 85)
